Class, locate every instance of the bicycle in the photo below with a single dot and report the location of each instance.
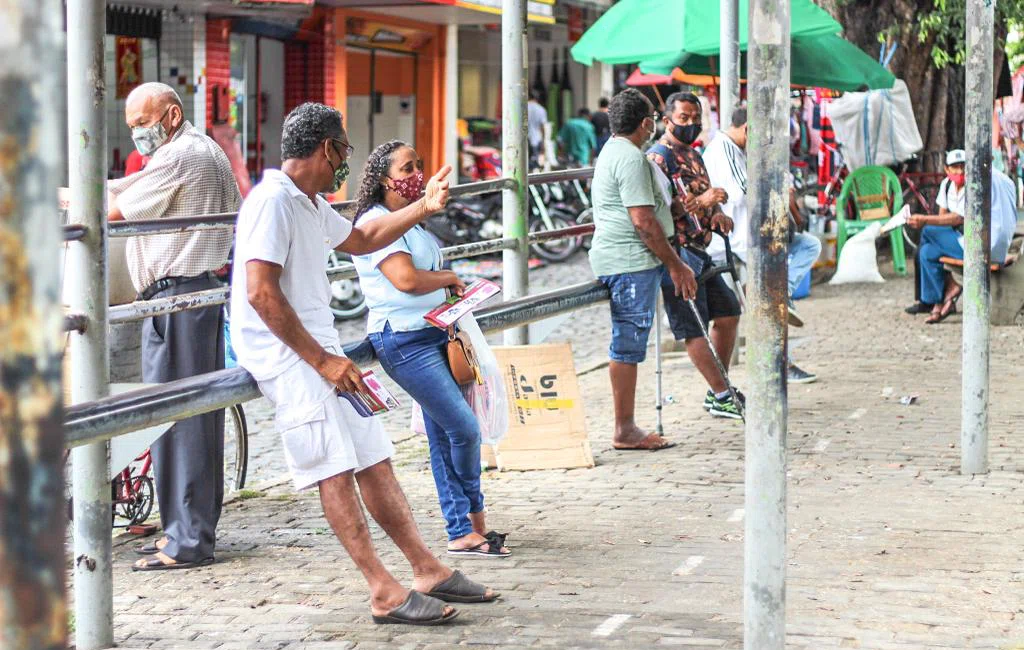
(132, 491)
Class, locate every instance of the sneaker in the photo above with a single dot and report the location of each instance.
(918, 308)
(724, 408)
(794, 317)
(709, 400)
(795, 375)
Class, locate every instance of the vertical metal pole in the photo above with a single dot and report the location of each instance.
(33, 613)
(764, 579)
(85, 291)
(514, 156)
(660, 429)
(728, 60)
(974, 429)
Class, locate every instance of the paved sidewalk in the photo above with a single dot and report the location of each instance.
(889, 546)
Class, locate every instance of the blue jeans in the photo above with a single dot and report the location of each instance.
(417, 362)
(803, 251)
(936, 242)
(633, 297)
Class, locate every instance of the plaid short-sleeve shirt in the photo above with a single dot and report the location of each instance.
(189, 175)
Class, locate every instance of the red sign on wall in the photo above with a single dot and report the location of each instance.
(127, 64)
(574, 22)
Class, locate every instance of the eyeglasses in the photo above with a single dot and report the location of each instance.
(654, 116)
(347, 148)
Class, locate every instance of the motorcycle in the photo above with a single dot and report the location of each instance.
(347, 300)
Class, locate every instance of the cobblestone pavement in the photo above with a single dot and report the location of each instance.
(888, 548)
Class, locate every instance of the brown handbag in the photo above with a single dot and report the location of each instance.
(462, 358)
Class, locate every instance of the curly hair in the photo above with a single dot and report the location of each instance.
(306, 127)
(628, 110)
(371, 188)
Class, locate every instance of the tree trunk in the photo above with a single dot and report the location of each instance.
(937, 95)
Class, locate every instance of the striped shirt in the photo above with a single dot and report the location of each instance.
(727, 169)
(189, 175)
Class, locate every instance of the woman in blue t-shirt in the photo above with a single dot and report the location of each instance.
(401, 283)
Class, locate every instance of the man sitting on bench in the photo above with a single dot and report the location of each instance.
(942, 236)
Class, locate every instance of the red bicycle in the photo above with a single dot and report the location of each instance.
(920, 190)
(132, 492)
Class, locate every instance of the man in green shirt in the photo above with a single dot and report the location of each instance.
(578, 138)
(631, 253)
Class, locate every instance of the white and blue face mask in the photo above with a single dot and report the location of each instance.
(148, 139)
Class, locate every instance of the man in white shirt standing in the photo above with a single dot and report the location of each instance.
(726, 160)
(536, 118)
(283, 331)
(188, 175)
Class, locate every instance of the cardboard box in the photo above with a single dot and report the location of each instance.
(547, 428)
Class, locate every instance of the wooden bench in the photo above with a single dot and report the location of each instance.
(1006, 283)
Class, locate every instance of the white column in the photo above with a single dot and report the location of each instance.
(198, 72)
(451, 100)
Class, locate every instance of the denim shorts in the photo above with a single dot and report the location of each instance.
(633, 298)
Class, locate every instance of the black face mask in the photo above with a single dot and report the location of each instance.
(687, 134)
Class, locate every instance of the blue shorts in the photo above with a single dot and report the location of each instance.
(633, 297)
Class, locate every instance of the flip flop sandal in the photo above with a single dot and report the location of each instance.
(645, 445)
(493, 550)
(460, 589)
(148, 549)
(154, 564)
(418, 609)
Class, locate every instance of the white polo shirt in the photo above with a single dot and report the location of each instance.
(951, 198)
(279, 224)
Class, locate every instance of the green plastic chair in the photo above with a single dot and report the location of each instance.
(870, 194)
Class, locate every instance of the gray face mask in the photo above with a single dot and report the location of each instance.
(148, 139)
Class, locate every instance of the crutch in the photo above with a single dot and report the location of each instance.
(718, 363)
(660, 429)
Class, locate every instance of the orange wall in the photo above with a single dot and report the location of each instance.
(429, 83)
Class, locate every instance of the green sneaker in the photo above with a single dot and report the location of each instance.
(709, 401)
(724, 408)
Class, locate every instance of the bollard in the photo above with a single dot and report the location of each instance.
(728, 60)
(978, 138)
(85, 291)
(33, 610)
(515, 156)
(764, 566)
(658, 392)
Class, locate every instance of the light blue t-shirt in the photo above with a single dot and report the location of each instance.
(404, 311)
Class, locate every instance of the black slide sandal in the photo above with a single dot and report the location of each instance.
(493, 550)
(154, 564)
(460, 589)
(418, 609)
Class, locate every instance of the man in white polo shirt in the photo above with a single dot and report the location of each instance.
(282, 329)
(942, 236)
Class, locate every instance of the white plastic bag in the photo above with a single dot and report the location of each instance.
(488, 399)
(858, 262)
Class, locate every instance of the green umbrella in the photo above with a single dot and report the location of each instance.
(827, 61)
(662, 30)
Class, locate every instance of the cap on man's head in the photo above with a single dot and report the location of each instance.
(955, 157)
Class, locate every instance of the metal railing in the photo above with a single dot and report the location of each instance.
(133, 410)
(142, 309)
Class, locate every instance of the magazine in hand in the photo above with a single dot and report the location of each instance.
(377, 398)
(446, 314)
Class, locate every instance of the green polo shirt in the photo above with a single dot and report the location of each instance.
(624, 178)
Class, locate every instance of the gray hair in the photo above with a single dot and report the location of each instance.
(155, 90)
(306, 127)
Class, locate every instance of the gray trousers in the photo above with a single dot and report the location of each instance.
(188, 460)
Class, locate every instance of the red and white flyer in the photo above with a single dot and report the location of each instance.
(377, 400)
(448, 313)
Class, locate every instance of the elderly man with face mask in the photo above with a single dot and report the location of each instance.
(188, 174)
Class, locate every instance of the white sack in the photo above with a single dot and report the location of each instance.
(858, 262)
(875, 127)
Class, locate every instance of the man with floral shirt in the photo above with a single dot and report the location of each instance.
(696, 208)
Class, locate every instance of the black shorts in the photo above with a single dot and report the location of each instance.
(714, 299)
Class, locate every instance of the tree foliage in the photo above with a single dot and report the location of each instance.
(944, 27)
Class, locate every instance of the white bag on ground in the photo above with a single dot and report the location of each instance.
(858, 262)
(488, 400)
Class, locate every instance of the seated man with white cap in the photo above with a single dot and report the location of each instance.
(942, 236)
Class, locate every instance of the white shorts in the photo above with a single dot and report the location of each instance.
(322, 433)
